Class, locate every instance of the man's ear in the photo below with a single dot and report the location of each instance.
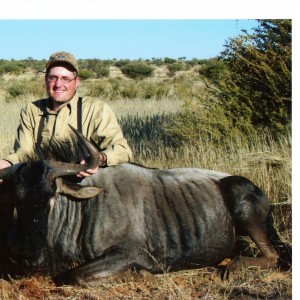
(76, 190)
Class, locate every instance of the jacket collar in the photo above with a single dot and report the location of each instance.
(45, 110)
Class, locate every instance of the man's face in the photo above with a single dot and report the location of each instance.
(59, 91)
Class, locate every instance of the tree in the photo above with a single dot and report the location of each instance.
(256, 86)
(169, 60)
(248, 90)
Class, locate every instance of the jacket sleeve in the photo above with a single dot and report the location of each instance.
(24, 141)
(109, 137)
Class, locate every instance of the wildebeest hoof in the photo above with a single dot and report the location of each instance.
(234, 266)
(64, 279)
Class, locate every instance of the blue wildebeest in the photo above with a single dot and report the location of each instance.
(132, 217)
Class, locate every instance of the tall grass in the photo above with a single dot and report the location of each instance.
(9, 121)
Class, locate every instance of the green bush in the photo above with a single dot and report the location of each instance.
(213, 70)
(137, 70)
(169, 60)
(149, 90)
(129, 90)
(122, 62)
(203, 118)
(163, 89)
(101, 88)
(176, 67)
(35, 87)
(157, 61)
(15, 90)
(173, 68)
(117, 88)
(185, 87)
(101, 70)
(12, 67)
(86, 74)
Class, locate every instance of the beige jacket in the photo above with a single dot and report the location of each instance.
(99, 124)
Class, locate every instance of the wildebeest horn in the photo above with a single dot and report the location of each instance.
(9, 172)
(5, 173)
(63, 169)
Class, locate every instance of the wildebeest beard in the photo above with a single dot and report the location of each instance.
(52, 226)
(39, 257)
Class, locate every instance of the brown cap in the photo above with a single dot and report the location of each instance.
(63, 57)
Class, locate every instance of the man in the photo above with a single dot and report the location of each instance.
(45, 119)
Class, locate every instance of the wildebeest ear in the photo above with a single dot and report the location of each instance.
(77, 191)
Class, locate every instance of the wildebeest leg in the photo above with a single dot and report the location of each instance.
(268, 258)
(108, 267)
(250, 209)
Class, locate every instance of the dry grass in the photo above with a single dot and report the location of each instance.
(193, 284)
(267, 164)
(9, 123)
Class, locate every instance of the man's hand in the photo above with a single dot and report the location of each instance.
(90, 172)
(4, 164)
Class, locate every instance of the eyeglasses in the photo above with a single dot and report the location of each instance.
(63, 79)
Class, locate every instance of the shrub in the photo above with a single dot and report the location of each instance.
(173, 68)
(122, 62)
(202, 118)
(86, 74)
(14, 90)
(157, 61)
(149, 90)
(137, 70)
(169, 60)
(163, 90)
(12, 67)
(35, 87)
(100, 89)
(185, 87)
(101, 70)
(129, 90)
(213, 70)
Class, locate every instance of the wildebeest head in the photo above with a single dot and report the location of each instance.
(34, 186)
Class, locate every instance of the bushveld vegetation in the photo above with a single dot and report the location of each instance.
(231, 113)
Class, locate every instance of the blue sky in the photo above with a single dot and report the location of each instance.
(108, 39)
(131, 29)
